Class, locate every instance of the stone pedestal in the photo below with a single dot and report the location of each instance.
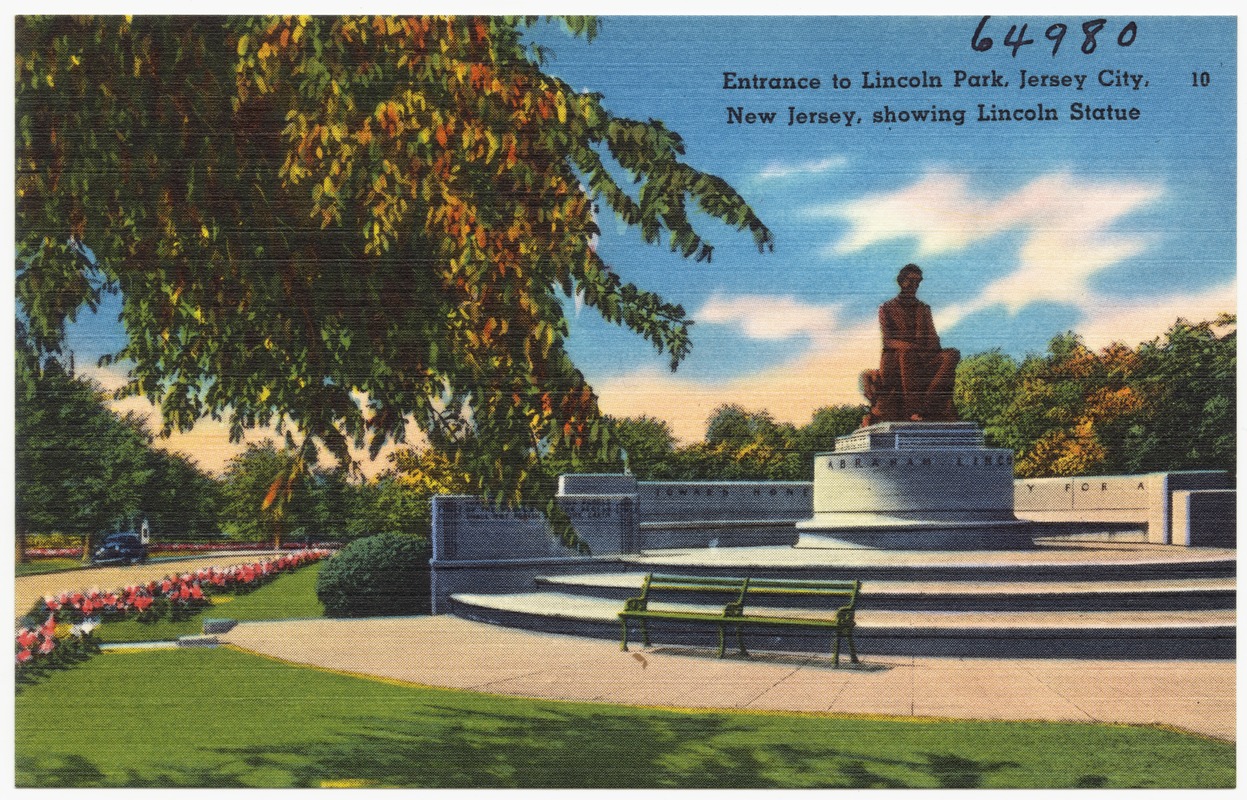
(915, 486)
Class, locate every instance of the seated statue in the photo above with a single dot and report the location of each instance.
(914, 382)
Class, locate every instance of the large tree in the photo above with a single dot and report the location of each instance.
(302, 211)
(79, 468)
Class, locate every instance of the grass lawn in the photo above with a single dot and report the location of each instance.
(40, 566)
(289, 596)
(223, 718)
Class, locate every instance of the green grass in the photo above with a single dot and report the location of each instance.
(223, 718)
(41, 566)
(289, 596)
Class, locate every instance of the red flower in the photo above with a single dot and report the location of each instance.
(26, 638)
(49, 627)
(142, 602)
(23, 656)
(52, 604)
(49, 644)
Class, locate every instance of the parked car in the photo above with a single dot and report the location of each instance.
(120, 548)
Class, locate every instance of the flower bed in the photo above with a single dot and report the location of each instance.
(41, 644)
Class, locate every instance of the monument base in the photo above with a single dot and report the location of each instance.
(890, 532)
(915, 486)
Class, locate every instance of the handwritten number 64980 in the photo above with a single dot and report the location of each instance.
(1016, 37)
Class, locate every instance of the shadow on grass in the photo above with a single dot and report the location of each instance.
(490, 748)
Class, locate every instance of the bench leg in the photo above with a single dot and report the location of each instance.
(721, 641)
(645, 633)
(623, 644)
(835, 653)
(740, 642)
(852, 649)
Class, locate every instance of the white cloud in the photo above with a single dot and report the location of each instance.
(1139, 320)
(777, 170)
(769, 318)
(1066, 225)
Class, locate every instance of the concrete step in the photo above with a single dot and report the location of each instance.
(1121, 595)
(1066, 561)
(1066, 634)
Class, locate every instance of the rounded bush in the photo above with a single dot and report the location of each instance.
(380, 576)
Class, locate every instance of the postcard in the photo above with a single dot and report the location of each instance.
(629, 401)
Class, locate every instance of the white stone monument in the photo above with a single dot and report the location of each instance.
(915, 486)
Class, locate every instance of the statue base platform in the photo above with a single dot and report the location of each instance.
(915, 486)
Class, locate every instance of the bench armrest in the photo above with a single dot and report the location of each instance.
(844, 616)
(734, 610)
(635, 604)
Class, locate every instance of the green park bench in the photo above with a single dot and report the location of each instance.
(734, 613)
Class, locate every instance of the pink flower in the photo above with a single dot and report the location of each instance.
(49, 627)
(48, 646)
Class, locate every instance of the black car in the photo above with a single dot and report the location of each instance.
(120, 548)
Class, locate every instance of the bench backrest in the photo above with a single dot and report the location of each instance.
(740, 587)
(710, 584)
(806, 588)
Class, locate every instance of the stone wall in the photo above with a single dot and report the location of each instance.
(1146, 500)
(673, 514)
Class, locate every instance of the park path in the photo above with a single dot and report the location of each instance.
(445, 651)
(30, 588)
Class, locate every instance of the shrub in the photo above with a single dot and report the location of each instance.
(379, 576)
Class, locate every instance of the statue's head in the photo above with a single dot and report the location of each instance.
(908, 278)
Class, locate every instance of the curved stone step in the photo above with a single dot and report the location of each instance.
(1068, 634)
(1067, 561)
(933, 595)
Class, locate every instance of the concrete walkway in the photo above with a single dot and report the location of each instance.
(1196, 696)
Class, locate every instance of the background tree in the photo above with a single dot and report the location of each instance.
(79, 468)
(265, 493)
(1188, 381)
(301, 210)
(180, 501)
(1166, 405)
(649, 443)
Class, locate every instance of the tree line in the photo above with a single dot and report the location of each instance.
(1167, 404)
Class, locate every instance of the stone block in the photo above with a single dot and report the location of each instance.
(1205, 518)
(1042, 495)
(597, 484)
(211, 626)
(719, 501)
(466, 529)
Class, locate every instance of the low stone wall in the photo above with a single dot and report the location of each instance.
(480, 548)
(676, 514)
(1145, 500)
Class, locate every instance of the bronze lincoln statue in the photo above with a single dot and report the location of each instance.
(914, 382)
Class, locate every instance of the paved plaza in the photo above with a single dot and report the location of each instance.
(445, 651)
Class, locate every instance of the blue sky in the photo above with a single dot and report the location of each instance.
(1024, 230)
